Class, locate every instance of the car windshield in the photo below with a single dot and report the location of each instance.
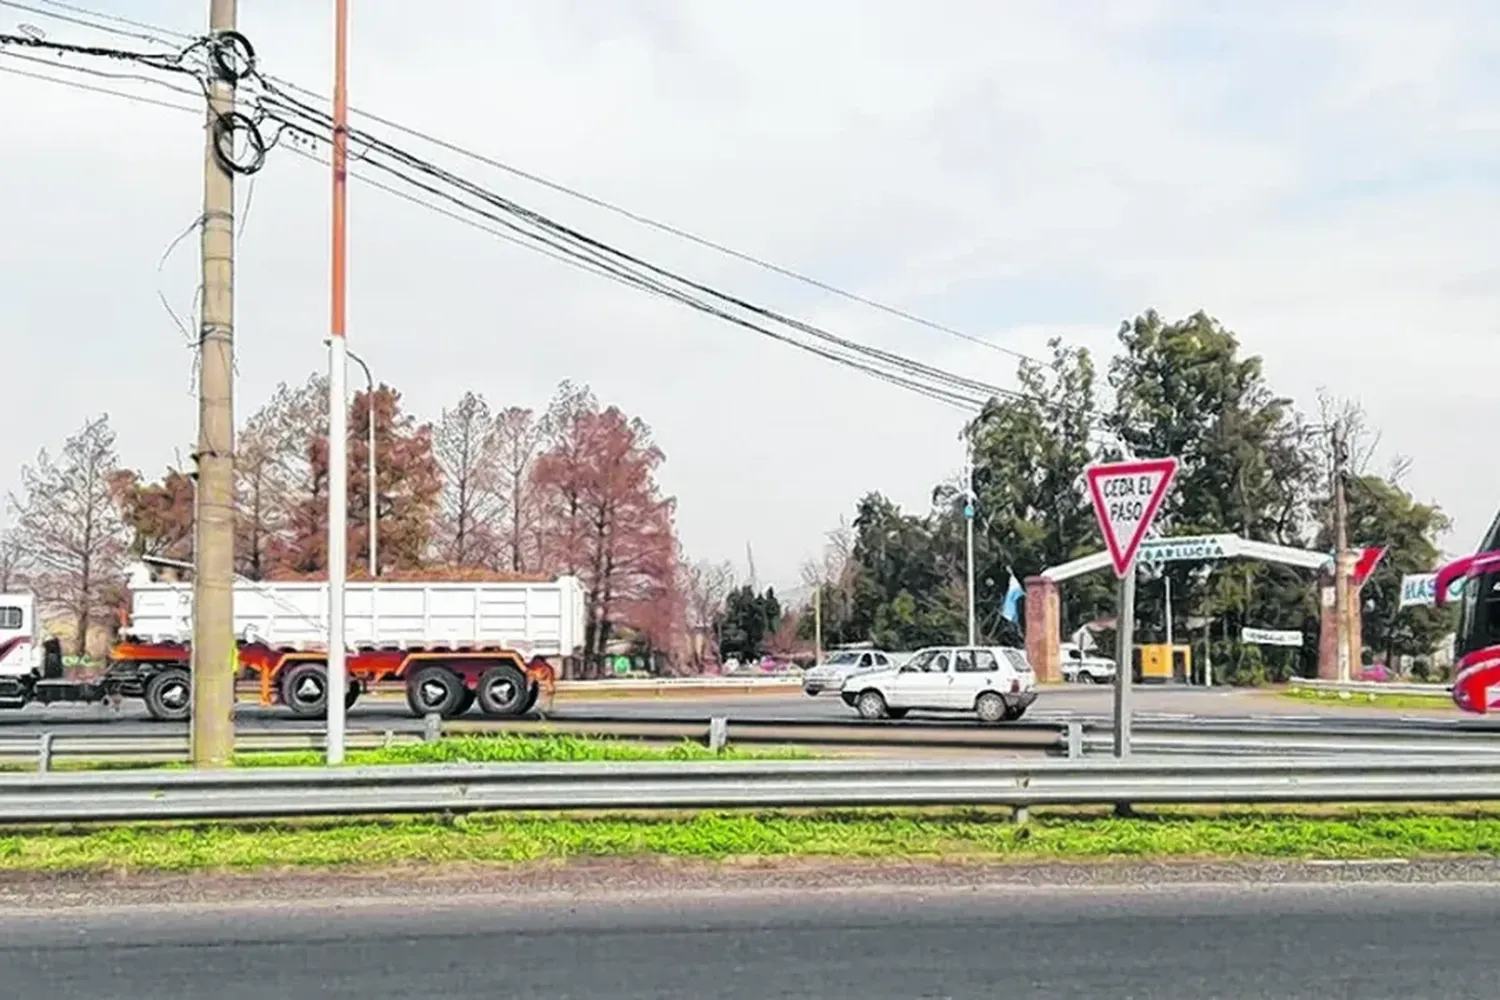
(842, 659)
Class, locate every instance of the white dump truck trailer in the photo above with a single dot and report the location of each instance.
(451, 644)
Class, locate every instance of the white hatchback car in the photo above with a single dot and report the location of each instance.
(995, 682)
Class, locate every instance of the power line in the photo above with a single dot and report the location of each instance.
(559, 187)
(540, 232)
(86, 23)
(672, 230)
(279, 106)
(102, 74)
(78, 85)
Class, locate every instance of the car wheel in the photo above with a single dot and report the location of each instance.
(1086, 679)
(871, 705)
(990, 707)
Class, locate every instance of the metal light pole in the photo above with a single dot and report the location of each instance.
(374, 517)
(969, 531)
(338, 409)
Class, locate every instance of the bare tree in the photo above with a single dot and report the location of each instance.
(68, 521)
(471, 501)
(275, 473)
(13, 561)
(516, 440)
(706, 586)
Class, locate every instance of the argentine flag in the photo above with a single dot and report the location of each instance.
(1013, 595)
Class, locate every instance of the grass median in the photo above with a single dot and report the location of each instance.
(951, 835)
(1373, 699)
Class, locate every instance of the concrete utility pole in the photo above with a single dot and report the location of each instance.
(214, 657)
(1343, 559)
(373, 497)
(338, 407)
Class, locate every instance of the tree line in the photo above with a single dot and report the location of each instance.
(479, 493)
(1251, 465)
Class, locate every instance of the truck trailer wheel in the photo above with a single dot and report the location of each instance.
(304, 689)
(169, 695)
(503, 691)
(434, 689)
(532, 694)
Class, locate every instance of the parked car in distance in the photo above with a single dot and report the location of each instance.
(994, 682)
(840, 666)
(1080, 668)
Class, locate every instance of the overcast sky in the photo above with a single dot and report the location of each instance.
(1322, 176)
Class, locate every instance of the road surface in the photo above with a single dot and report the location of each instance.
(380, 715)
(1185, 942)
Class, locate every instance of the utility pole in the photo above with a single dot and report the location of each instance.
(214, 656)
(1343, 559)
(969, 531)
(373, 500)
(338, 407)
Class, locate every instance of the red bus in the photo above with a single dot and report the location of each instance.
(1476, 672)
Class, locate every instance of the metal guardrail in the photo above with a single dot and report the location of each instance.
(306, 792)
(1371, 687)
(1074, 738)
(49, 748)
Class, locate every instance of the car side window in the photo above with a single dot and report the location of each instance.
(963, 661)
(864, 661)
(1075, 654)
(985, 662)
(939, 663)
(881, 661)
(919, 663)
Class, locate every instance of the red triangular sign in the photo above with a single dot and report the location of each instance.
(1126, 497)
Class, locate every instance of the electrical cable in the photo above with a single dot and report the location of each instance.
(231, 56)
(100, 90)
(534, 178)
(672, 230)
(289, 110)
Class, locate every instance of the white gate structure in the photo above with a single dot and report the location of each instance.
(1043, 606)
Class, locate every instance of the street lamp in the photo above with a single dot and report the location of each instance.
(373, 500)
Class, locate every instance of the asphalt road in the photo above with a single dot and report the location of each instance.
(380, 715)
(1370, 941)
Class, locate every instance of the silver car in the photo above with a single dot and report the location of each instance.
(840, 666)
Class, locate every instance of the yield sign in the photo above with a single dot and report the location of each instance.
(1126, 497)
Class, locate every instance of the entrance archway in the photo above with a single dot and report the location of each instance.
(1044, 607)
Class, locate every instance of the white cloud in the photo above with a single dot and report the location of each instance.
(1318, 175)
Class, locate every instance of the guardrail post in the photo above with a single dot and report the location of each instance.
(390, 738)
(1019, 815)
(432, 727)
(1075, 739)
(44, 753)
(718, 733)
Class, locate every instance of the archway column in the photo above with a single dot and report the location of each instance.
(1043, 628)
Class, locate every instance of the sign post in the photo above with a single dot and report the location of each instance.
(1126, 497)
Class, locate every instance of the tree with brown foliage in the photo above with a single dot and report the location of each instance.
(407, 481)
(606, 521)
(159, 515)
(68, 522)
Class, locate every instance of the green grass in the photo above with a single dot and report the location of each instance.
(1372, 699)
(519, 749)
(954, 835)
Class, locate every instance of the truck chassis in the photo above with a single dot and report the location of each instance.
(442, 681)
